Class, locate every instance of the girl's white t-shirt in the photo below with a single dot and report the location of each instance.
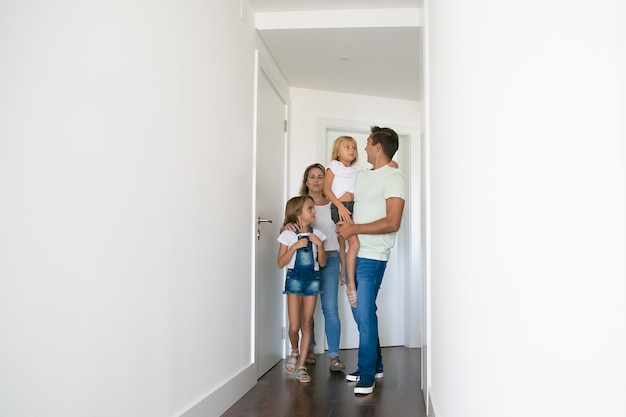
(345, 177)
(288, 238)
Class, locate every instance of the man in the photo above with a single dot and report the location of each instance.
(378, 204)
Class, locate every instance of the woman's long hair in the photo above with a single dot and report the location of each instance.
(304, 189)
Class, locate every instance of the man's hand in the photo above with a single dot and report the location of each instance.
(388, 224)
(345, 229)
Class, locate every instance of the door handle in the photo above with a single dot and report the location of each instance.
(260, 220)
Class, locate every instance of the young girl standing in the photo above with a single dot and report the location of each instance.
(302, 252)
(339, 188)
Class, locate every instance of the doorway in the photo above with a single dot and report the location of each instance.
(400, 295)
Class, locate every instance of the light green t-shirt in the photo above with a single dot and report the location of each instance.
(373, 188)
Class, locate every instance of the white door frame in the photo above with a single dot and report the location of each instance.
(413, 250)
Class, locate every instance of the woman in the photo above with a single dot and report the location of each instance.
(313, 185)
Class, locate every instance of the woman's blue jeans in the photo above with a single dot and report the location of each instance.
(369, 276)
(329, 280)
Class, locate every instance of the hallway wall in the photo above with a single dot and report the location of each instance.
(125, 150)
(528, 169)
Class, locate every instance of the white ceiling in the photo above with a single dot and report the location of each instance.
(304, 5)
(377, 61)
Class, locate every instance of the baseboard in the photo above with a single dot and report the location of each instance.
(431, 403)
(220, 400)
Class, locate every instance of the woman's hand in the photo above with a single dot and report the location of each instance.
(351, 292)
(289, 226)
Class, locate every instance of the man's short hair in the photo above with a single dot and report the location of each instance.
(388, 139)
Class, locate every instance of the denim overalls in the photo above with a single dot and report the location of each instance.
(303, 279)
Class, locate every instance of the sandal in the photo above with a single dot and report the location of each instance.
(302, 375)
(310, 357)
(290, 366)
(336, 365)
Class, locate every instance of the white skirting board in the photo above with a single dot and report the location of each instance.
(220, 400)
(430, 407)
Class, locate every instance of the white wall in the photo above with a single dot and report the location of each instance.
(528, 169)
(309, 105)
(125, 147)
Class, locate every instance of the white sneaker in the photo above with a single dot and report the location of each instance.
(355, 376)
(364, 388)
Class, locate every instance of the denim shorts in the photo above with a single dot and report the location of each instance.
(334, 213)
(302, 282)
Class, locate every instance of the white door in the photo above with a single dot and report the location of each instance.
(391, 297)
(270, 201)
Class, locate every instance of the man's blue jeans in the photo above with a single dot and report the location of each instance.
(369, 276)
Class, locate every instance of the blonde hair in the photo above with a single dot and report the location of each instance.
(337, 143)
(293, 208)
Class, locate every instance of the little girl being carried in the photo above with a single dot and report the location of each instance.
(339, 188)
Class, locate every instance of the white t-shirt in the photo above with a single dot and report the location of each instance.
(373, 188)
(288, 238)
(345, 177)
(325, 223)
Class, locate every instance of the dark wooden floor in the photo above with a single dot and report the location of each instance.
(278, 394)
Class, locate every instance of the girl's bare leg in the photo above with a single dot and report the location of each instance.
(308, 308)
(342, 260)
(353, 250)
(294, 307)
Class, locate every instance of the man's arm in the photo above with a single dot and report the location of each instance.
(388, 224)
